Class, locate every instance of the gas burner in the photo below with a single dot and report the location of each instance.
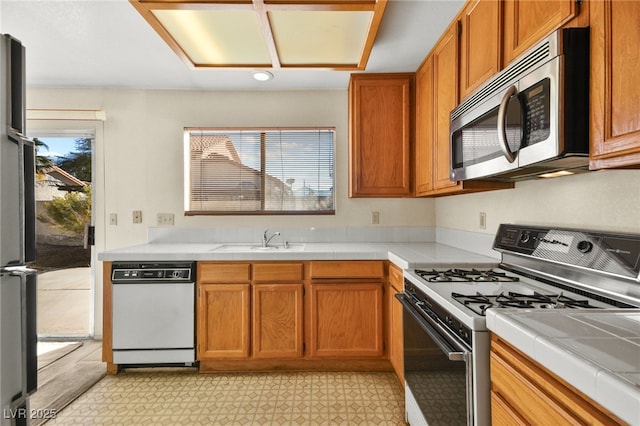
(479, 303)
(465, 275)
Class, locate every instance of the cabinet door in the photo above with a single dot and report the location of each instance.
(396, 352)
(277, 321)
(445, 83)
(479, 43)
(424, 128)
(380, 109)
(615, 84)
(223, 321)
(528, 21)
(346, 320)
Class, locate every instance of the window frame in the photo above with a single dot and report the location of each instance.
(187, 131)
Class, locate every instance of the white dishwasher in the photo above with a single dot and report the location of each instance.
(153, 313)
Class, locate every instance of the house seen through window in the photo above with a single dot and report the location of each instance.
(259, 171)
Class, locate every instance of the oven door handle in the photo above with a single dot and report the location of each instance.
(453, 349)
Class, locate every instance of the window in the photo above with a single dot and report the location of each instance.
(259, 171)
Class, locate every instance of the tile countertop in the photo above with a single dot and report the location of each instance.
(597, 352)
(404, 255)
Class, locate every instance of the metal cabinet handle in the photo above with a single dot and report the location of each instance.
(502, 129)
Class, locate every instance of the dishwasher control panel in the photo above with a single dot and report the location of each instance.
(152, 272)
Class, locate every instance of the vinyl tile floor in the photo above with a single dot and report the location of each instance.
(185, 397)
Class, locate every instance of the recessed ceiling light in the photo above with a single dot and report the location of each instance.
(262, 75)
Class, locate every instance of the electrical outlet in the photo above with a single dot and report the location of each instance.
(375, 218)
(137, 216)
(483, 220)
(165, 219)
(113, 219)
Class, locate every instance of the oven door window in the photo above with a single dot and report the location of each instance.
(477, 142)
(439, 385)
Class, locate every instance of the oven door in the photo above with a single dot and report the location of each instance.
(438, 371)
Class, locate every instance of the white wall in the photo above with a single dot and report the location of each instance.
(139, 166)
(143, 153)
(607, 200)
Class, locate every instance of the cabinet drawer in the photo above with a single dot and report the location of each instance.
(224, 272)
(347, 269)
(274, 272)
(396, 277)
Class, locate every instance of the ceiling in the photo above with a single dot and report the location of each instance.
(107, 44)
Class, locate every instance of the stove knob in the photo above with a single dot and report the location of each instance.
(525, 236)
(585, 246)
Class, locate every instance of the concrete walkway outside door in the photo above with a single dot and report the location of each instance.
(64, 297)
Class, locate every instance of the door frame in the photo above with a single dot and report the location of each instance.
(67, 123)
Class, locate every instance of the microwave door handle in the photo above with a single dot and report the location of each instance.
(502, 128)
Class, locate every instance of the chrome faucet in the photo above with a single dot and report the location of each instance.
(265, 240)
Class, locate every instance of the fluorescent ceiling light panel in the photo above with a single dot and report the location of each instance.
(337, 34)
(320, 37)
(217, 37)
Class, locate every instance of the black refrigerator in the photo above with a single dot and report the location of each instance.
(18, 289)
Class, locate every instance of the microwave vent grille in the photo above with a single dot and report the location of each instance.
(535, 57)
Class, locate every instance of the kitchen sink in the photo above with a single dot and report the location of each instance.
(259, 248)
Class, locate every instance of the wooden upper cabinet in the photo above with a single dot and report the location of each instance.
(437, 88)
(445, 98)
(380, 135)
(615, 84)
(480, 42)
(526, 22)
(424, 128)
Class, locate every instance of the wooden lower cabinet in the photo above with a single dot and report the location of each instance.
(223, 321)
(277, 321)
(346, 320)
(396, 352)
(523, 392)
(327, 315)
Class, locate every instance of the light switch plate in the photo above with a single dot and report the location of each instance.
(137, 216)
(113, 219)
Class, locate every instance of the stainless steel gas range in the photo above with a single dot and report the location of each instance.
(446, 342)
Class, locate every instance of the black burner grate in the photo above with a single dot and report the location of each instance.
(465, 275)
(479, 303)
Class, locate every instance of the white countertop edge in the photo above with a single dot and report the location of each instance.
(405, 255)
(605, 387)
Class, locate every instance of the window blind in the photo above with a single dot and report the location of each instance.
(259, 171)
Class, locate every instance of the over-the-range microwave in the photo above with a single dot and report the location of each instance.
(529, 120)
